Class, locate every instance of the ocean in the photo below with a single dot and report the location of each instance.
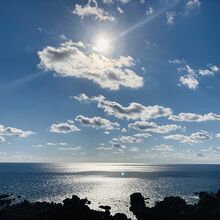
(106, 183)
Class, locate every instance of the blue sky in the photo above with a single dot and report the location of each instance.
(110, 81)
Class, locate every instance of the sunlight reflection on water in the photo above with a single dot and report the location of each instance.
(104, 183)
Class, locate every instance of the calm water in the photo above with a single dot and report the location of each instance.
(105, 183)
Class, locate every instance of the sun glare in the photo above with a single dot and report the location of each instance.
(102, 44)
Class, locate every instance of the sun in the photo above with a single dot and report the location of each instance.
(102, 44)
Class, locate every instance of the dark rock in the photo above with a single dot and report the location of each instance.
(119, 216)
(196, 193)
(218, 195)
(170, 208)
(4, 202)
(4, 196)
(203, 194)
(138, 206)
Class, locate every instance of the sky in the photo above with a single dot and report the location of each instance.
(132, 81)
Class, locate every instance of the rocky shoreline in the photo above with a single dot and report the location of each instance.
(171, 208)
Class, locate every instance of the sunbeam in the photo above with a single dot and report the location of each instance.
(145, 21)
(20, 81)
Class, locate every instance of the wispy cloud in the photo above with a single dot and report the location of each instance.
(128, 139)
(70, 148)
(92, 9)
(194, 138)
(56, 144)
(101, 148)
(153, 127)
(133, 149)
(120, 10)
(170, 17)
(2, 139)
(114, 1)
(192, 117)
(214, 148)
(163, 147)
(211, 70)
(192, 4)
(190, 76)
(149, 11)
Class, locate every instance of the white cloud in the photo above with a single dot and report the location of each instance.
(123, 130)
(10, 131)
(149, 11)
(209, 71)
(194, 138)
(189, 81)
(153, 127)
(76, 60)
(56, 144)
(92, 9)
(62, 37)
(131, 112)
(214, 148)
(218, 135)
(2, 139)
(190, 77)
(123, 1)
(119, 9)
(134, 149)
(191, 4)
(70, 148)
(177, 61)
(192, 117)
(127, 139)
(200, 155)
(142, 135)
(82, 98)
(117, 145)
(170, 17)
(97, 122)
(163, 147)
(186, 69)
(104, 148)
(38, 146)
(64, 127)
(114, 1)
(188, 6)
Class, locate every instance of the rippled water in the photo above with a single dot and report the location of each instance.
(108, 184)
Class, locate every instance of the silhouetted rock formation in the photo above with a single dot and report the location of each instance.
(171, 208)
(175, 208)
(71, 209)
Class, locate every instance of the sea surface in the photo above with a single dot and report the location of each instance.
(107, 184)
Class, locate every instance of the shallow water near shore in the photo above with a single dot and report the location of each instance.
(107, 184)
